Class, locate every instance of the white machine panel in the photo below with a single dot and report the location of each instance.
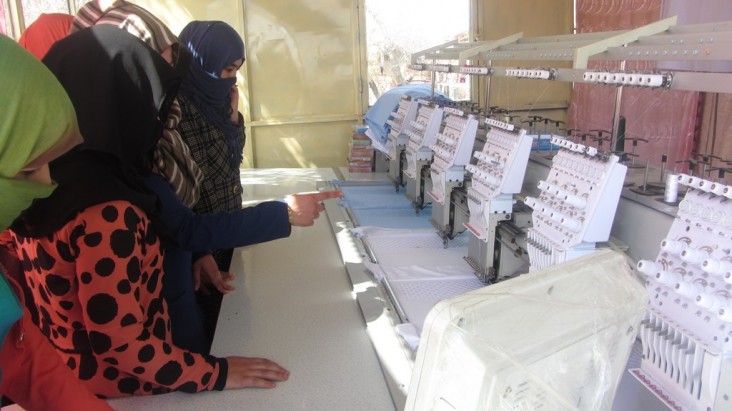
(455, 143)
(422, 132)
(687, 330)
(452, 150)
(498, 174)
(404, 114)
(577, 204)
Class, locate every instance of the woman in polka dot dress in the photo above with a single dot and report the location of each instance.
(91, 251)
(37, 124)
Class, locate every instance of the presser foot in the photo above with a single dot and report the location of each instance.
(418, 205)
(486, 275)
(445, 236)
(443, 231)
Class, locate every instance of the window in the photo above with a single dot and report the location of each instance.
(396, 29)
(4, 19)
(29, 10)
(34, 8)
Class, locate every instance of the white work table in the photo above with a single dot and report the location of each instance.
(293, 304)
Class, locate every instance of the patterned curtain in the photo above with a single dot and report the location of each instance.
(715, 125)
(3, 19)
(667, 119)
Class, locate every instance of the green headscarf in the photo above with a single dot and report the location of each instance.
(35, 115)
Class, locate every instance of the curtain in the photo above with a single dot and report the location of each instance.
(3, 19)
(715, 125)
(666, 119)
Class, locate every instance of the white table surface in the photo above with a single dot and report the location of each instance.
(294, 305)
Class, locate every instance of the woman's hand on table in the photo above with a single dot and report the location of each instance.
(254, 372)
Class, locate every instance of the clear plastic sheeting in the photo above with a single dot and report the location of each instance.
(556, 339)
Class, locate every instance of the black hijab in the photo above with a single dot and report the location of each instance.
(120, 89)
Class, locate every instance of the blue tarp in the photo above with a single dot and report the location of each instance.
(379, 113)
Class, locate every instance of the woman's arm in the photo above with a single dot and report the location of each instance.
(34, 377)
(195, 232)
(120, 267)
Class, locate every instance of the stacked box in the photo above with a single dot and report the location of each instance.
(361, 155)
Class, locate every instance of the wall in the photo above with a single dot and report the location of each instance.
(714, 126)
(501, 18)
(305, 85)
(666, 119)
(301, 81)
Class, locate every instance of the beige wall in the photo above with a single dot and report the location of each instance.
(304, 81)
(501, 18)
(301, 82)
(177, 13)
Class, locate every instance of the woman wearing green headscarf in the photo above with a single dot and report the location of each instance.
(37, 124)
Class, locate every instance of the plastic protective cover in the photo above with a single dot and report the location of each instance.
(555, 339)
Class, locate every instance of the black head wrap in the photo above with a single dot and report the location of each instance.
(120, 89)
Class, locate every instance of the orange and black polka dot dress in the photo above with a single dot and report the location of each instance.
(96, 283)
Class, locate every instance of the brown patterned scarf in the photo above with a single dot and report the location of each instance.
(173, 161)
(129, 17)
(172, 157)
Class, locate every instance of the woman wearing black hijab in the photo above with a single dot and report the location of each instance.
(91, 251)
